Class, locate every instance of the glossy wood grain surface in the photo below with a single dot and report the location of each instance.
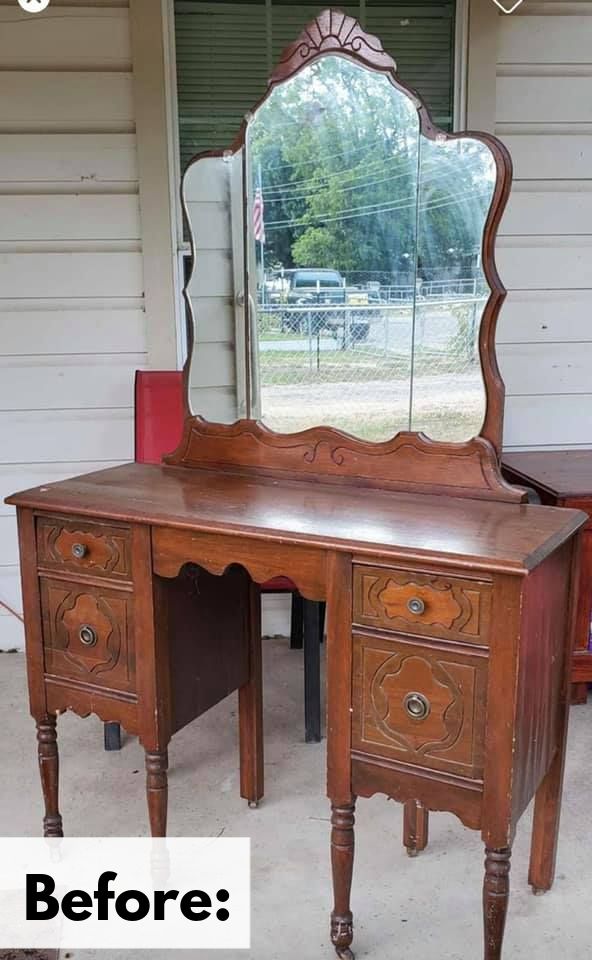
(564, 473)
(492, 535)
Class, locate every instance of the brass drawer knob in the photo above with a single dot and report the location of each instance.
(88, 635)
(416, 605)
(417, 706)
(79, 551)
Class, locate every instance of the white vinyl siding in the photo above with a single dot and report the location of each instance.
(72, 322)
(544, 115)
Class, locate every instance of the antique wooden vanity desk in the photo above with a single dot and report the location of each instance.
(449, 599)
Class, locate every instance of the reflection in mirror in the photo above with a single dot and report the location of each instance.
(212, 194)
(333, 160)
(456, 184)
(362, 261)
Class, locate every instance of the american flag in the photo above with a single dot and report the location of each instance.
(258, 210)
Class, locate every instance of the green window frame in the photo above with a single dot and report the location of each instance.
(225, 52)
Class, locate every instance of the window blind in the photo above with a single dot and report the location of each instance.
(226, 50)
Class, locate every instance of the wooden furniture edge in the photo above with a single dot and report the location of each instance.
(409, 462)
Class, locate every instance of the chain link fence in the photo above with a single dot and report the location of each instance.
(408, 361)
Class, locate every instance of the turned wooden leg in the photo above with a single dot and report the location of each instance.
(250, 707)
(47, 752)
(157, 763)
(415, 827)
(496, 893)
(342, 864)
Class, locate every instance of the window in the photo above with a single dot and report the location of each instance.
(226, 51)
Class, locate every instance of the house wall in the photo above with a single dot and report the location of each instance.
(543, 112)
(72, 321)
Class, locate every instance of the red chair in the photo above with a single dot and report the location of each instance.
(158, 423)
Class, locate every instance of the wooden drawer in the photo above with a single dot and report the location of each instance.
(88, 634)
(83, 547)
(420, 703)
(420, 603)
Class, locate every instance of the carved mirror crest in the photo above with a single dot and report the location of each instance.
(343, 263)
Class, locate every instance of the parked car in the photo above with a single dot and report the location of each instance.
(310, 287)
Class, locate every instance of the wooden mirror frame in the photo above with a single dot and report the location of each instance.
(409, 461)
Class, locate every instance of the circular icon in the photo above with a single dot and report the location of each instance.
(33, 6)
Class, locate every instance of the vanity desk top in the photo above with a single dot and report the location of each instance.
(494, 536)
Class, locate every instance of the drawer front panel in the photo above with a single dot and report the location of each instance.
(92, 548)
(424, 604)
(88, 634)
(419, 703)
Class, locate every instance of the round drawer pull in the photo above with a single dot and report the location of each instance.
(88, 635)
(79, 551)
(416, 605)
(417, 706)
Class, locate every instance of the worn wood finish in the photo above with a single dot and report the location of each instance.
(172, 549)
(250, 701)
(96, 549)
(410, 461)
(496, 895)
(563, 478)
(446, 607)
(448, 602)
(339, 669)
(415, 827)
(547, 809)
(47, 752)
(195, 606)
(434, 789)
(342, 863)
(88, 634)
(405, 527)
(543, 663)
(492, 579)
(393, 676)
(157, 790)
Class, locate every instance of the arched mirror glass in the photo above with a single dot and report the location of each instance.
(338, 275)
(334, 162)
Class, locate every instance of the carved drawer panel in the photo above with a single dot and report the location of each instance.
(88, 634)
(419, 703)
(426, 604)
(96, 549)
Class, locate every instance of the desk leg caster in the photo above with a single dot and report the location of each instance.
(342, 934)
(253, 804)
(537, 892)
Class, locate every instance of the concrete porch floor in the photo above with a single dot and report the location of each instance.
(429, 908)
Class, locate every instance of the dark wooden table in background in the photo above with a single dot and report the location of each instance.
(563, 478)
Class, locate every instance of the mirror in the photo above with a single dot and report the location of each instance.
(212, 198)
(333, 160)
(457, 180)
(358, 238)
